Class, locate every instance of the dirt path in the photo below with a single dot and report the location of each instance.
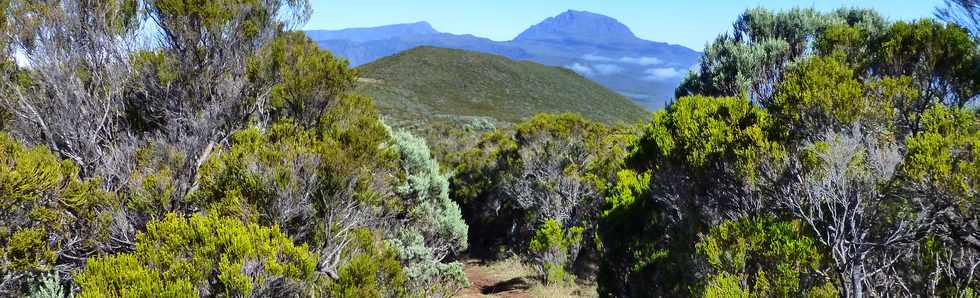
(484, 283)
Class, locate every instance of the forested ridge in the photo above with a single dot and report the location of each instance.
(175, 148)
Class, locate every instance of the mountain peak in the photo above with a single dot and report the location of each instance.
(583, 26)
(421, 26)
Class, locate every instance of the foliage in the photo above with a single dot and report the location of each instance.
(318, 184)
(941, 59)
(560, 166)
(941, 167)
(548, 167)
(183, 148)
(944, 155)
(186, 108)
(291, 167)
(435, 227)
(751, 59)
(48, 215)
(733, 68)
(427, 190)
(203, 255)
(764, 257)
(695, 163)
(551, 246)
(304, 80)
(373, 271)
(699, 134)
(824, 93)
(50, 287)
(428, 274)
(848, 185)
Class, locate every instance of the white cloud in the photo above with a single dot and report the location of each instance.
(646, 60)
(584, 70)
(607, 69)
(641, 60)
(663, 74)
(592, 57)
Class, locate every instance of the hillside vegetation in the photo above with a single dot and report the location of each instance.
(429, 83)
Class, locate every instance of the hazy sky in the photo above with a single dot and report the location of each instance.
(689, 23)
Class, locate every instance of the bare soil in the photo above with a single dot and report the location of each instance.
(489, 284)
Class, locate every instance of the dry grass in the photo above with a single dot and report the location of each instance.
(562, 290)
(510, 268)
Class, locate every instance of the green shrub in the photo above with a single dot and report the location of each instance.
(374, 270)
(696, 163)
(761, 258)
(47, 212)
(554, 248)
(202, 255)
(305, 79)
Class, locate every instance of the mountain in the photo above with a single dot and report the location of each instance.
(375, 33)
(596, 46)
(457, 85)
(359, 53)
(580, 26)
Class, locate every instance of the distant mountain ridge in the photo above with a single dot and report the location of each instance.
(596, 46)
(374, 33)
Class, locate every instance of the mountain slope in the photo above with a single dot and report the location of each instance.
(428, 82)
(596, 46)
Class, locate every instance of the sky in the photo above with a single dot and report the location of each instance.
(690, 23)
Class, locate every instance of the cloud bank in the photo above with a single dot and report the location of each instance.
(607, 69)
(645, 61)
(581, 69)
(663, 74)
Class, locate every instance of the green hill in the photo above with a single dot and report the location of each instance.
(436, 84)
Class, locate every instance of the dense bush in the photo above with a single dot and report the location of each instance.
(203, 256)
(695, 165)
(551, 247)
(228, 114)
(373, 271)
(50, 218)
(548, 168)
(766, 258)
(434, 229)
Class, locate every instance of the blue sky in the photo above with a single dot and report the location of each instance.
(688, 23)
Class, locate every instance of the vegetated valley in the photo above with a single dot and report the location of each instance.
(164, 148)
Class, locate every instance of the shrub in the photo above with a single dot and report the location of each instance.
(49, 286)
(761, 258)
(48, 215)
(434, 229)
(373, 271)
(203, 255)
(553, 248)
